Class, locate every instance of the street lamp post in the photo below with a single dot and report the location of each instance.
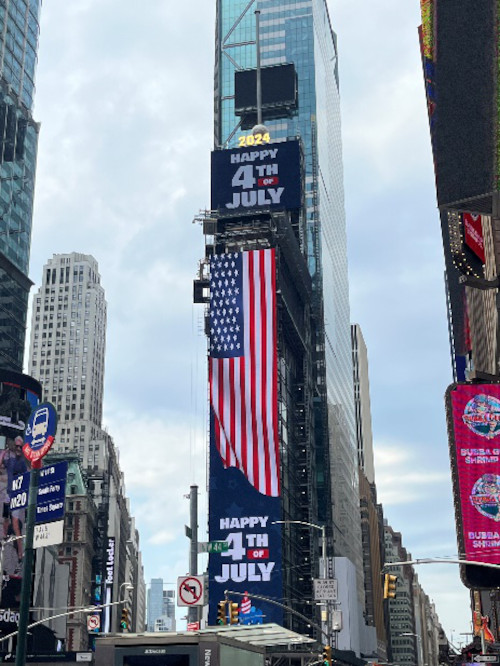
(322, 529)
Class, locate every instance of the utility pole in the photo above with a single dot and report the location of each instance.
(24, 607)
(193, 615)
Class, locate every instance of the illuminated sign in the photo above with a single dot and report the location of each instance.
(245, 519)
(473, 234)
(474, 428)
(110, 561)
(257, 139)
(257, 178)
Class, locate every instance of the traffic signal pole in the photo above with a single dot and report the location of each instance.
(193, 615)
(24, 606)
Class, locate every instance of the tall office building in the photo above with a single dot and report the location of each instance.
(160, 607)
(364, 435)
(68, 338)
(316, 406)
(19, 29)
(67, 351)
(301, 33)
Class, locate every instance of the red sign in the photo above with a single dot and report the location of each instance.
(475, 449)
(193, 626)
(258, 553)
(473, 231)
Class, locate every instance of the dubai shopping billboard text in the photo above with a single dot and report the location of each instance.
(257, 178)
(475, 452)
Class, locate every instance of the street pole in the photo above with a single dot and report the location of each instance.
(258, 72)
(321, 573)
(24, 606)
(193, 615)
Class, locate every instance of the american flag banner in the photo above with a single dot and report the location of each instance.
(243, 365)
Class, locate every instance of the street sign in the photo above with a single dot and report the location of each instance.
(48, 534)
(40, 432)
(213, 547)
(491, 658)
(93, 622)
(190, 591)
(50, 495)
(325, 589)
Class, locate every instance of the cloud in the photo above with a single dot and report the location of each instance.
(401, 477)
(125, 101)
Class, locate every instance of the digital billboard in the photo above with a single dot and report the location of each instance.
(244, 487)
(473, 234)
(260, 177)
(19, 394)
(279, 88)
(473, 412)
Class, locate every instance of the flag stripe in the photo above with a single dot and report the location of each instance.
(243, 365)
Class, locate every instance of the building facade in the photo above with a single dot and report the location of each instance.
(300, 33)
(19, 30)
(160, 607)
(67, 354)
(364, 436)
(67, 348)
(403, 645)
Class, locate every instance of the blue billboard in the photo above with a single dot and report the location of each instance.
(243, 516)
(257, 178)
(50, 495)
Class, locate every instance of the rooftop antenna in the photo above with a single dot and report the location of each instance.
(259, 128)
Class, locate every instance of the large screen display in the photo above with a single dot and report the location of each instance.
(474, 428)
(263, 177)
(244, 495)
(19, 394)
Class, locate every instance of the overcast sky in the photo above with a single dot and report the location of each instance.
(124, 98)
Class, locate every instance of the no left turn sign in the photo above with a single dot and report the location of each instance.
(190, 591)
(93, 622)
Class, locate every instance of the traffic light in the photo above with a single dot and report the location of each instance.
(327, 656)
(234, 613)
(124, 622)
(390, 586)
(221, 612)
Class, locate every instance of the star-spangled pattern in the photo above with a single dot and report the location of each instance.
(226, 310)
(243, 365)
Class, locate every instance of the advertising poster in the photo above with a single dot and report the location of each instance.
(474, 423)
(473, 234)
(19, 394)
(256, 178)
(244, 493)
(109, 581)
(243, 517)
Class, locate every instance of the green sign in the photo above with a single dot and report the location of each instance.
(213, 547)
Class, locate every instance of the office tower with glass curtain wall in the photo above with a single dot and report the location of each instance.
(301, 33)
(19, 29)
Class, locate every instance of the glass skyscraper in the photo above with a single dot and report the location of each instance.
(19, 30)
(299, 32)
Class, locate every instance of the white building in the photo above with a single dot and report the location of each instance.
(67, 346)
(67, 351)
